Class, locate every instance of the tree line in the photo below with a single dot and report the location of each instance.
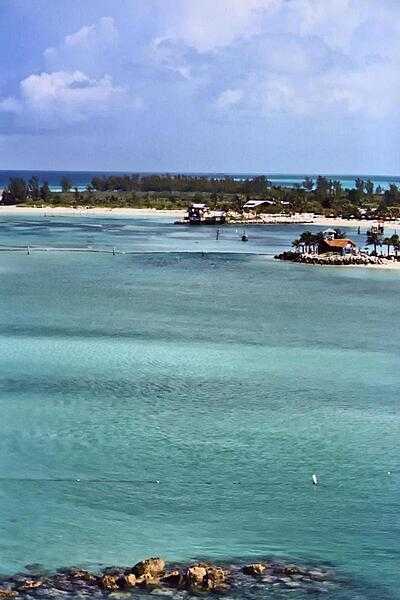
(319, 195)
(181, 183)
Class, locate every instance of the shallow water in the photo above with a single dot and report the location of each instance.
(229, 378)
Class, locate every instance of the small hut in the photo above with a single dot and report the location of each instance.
(343, 246)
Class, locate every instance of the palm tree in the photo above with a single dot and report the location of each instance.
(307, 238)
(374, 238)
(387, 242)
(296, 244)
(395, 240)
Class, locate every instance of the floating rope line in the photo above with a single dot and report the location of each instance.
(114, 251)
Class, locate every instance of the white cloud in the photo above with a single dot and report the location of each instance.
(371, 92)
(333, 21)
(64, 97)
(104, 32)
(209, 24)
(11, 105)
(229, 98)
(90, 48)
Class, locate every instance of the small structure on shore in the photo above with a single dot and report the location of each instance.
(329, 248)
(200, 214)
(197, 213)
(340, 246)
(252, 204)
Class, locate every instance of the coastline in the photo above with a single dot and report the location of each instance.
(82, 211)
(297, 219)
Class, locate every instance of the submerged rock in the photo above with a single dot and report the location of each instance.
(287, 570)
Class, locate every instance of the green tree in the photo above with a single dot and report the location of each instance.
(388, 243)
(308, 184)
(374, 238)
(337, 189)
(307, 239)
(33, 189)
(369, 187)
(16, 192)
(360, 185)
(296, 244)
(323, 191)
(392, 195)
(237, 203)
(395, 240)
(65, 184)
(45, 193)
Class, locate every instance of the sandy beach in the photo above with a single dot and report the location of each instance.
(305, 218)
(82, 211)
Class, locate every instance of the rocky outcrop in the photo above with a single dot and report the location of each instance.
(195, 576)
(6, 593)
(216, 578)
(335, 260)
(150, 567)
(82, 575)
(29, 584)
(172, 579)
(109, 582)
(127, 581)
(202, 577)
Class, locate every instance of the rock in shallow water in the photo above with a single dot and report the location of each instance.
(150, 575)
(6, 593)
(127, 581)
(108, 582)
(151, 567)
(254, 569)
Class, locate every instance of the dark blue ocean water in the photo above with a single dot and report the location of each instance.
(81, 179)
(230, 378)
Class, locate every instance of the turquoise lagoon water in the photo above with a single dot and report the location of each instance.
(229, 378)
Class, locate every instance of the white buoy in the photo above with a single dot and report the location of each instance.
(315, 479)
(389, 473)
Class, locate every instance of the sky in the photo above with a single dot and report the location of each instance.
(240, 86)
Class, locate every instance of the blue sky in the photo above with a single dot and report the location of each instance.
(201, 85)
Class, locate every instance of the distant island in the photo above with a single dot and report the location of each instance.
(254, 199)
